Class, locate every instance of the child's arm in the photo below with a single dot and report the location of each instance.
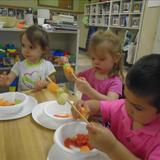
(103, 139)
(84, 87)
(92, 107)
(6, 80)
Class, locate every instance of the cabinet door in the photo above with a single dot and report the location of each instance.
(66, 4)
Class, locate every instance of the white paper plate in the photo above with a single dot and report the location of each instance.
(27, 109)
(39, 116)
(56, 154)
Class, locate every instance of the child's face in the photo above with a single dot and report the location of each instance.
(139, 108)
(102, 61)
(31, 52)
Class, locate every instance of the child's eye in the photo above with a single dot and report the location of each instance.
(23, 45)
(137, 108)
(31, 47)
(93, 59)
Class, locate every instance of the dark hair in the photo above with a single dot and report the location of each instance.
(143, 79)
(36, 35)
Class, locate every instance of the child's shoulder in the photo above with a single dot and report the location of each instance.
(117, 104)
(20, 63)
(115, 78)
(46, 62)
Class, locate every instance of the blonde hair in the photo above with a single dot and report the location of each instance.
(113, 45)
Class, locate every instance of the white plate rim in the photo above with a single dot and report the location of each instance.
(26, 110)
(38, 111)
(100, 155)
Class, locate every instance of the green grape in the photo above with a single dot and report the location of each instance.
(18, 101)
(62, 98)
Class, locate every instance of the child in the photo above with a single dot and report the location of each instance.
(103, 80)
(134, 122)
(33, 70)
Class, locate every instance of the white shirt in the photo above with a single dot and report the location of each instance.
(30, 73)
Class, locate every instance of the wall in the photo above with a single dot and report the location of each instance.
(148, 32)
(83, 32)
(156, 48)
(78, 5)
(25, 3)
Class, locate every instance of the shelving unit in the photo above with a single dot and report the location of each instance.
(115, 13)
(121, 16)
(59, 39)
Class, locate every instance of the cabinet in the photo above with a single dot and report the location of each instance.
(123, 16)
(59, 39)
(66, 4)
(115, 13)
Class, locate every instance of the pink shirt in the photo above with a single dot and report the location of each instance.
(144, 142)
(113, 84)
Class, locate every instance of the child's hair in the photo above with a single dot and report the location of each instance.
(36, 35)
(143, 79)
(113, 45)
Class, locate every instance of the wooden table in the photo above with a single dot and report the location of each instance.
(24, 139)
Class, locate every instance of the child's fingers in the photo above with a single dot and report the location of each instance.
(4, 77)
(93, 128)
(78, 105)
(38, 85)
(82, 78)
(74, 112)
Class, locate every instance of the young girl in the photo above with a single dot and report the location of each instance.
(134, 122)
(33, 70)
(103, 80)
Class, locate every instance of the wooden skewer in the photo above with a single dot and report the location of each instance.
(49, 79)
(74, 107)
(84, 118)
(28, 91)
(74, 76)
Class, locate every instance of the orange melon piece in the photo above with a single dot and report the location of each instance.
(84, 112)
(53, 87)
(84, 148)
(68, 70)
(6, 103)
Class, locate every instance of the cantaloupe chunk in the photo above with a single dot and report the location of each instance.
(84, 148)
(53, 87)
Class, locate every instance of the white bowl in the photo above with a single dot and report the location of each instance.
(12, 96)
(70, 130)
(54, 108)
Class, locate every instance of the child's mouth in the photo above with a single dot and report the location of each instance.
(97, 68)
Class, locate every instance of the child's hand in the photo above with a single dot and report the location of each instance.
(82, 85)
(40, 84)
(83, 109)
(4, 79)
(101, 138)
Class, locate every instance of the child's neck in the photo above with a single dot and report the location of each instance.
(136, 126)
(33, 62)
(101, 76)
